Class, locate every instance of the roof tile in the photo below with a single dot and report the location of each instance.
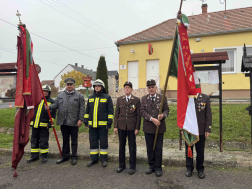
(236, 19)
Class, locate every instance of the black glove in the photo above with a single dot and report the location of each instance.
(49, 125)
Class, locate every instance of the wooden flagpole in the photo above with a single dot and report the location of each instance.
(166, 83)
(167, 76)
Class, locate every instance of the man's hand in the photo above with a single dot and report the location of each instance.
(115, 130)
(155, 121)
(49, 125)
(207, 134)
(160, 117)
(79, 123)
(47, 107)
(136, 132)
(181, 133)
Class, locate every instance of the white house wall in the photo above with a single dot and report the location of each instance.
(57, 79)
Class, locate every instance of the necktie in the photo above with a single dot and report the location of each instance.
(127, 99)
(153, 99)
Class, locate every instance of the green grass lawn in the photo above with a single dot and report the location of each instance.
(6, 140)
(235, 123)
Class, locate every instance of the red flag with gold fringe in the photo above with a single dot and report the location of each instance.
(28, 95)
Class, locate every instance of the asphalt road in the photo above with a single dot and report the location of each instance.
(50, 175)
(6, 105)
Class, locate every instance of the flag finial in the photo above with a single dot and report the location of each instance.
(18, 14)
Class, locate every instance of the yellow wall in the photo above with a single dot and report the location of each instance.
(162, 50)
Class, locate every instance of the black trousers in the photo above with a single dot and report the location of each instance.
(39, 142)
(132, 147)
(68, 131)
(200, 146)
(96, 135)
(154, 157)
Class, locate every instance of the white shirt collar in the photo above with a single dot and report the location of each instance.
(154, 95)
(128, 97)
(70, 92)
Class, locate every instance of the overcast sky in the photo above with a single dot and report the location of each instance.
(88, 26)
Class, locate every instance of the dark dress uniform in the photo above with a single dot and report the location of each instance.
(204, 118)
(151, 109)
(99, 118)
(127, 120)
(40, 132)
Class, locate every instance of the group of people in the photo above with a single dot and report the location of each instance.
(98, 117)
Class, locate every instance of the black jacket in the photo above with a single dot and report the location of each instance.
(99, 111)
(41, 117)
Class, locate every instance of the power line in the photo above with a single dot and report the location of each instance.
(83, 17)
(66, 50)
(59, 44)
(47, 4)
(35, 58)
(41, 59)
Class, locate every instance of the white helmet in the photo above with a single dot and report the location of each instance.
(46, 88)
(99, 82)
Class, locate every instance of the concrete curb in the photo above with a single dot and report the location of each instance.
(167, 161)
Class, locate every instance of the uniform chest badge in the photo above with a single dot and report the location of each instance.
(158, 105)
(132, 108)
(201, 106)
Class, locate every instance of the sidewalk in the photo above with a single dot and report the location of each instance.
(172, 156)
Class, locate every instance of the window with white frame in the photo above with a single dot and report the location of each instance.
(249, 51)
(229, 66)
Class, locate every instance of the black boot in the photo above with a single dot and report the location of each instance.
(188, 173)
(44, 160)
(91, 163)
(132, 171)
(32, 160)
(62, 160)
(74, 161)
(119, 170)
(149, 171)
(104, 164)
(201, 174)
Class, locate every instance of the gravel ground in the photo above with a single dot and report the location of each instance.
(50, 175)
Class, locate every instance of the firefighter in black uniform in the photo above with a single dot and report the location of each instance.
(98, 118)
(40, 128)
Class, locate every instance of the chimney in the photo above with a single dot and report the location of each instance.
(204, 8)
(76, 64)
(82, 66)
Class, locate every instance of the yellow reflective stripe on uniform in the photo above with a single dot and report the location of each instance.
(86, 116)
(104, 151)
(34, 150)
(91, 100)
(102, 122)
(111, 116)
(49, 103)
(103, 100)
(31, 123)
(95, 112)
(89, 122)
(94, 151)
(38, 114)
(43, 151)
(43, 124)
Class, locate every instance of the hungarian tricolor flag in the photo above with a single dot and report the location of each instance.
(188, 85)
(28, 94)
